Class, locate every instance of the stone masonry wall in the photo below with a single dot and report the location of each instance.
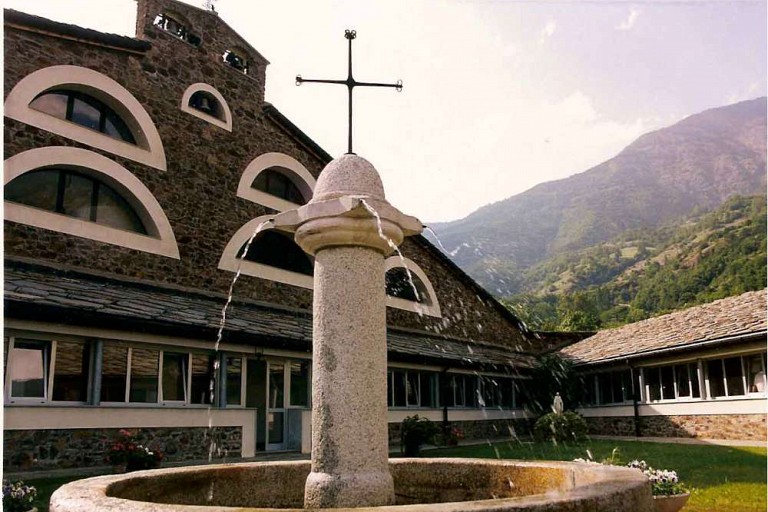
(30, 450)
(198, 189)
(478, 430)
(747, 427)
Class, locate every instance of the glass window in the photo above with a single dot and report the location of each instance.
(653, 381)
(114, 372)
(715, 377)
(604, 388)
(667, 383)
(389, 388)
(85, 110)
(276, 385)
(626, 385)
(682, 380)
(144, 375)
(174, 376)
(202, 378)
(85, 113)
(459, 391)
(300, 383)
(399, 387)
(590, 392)
(28, 368)
(53, 103)
(617, 393)
(113, 210)
(507, 391)
(755, 373)
(70, 375)
(37, 188)
(693, 370)
(428, 390)
(412, 388)
(278, 184)
(76, 195)
(234, 380)
(278, 250)
(400, 286)
(734, 376)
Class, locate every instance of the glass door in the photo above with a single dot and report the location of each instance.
(276, 424)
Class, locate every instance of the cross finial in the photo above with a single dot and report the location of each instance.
(351, 83)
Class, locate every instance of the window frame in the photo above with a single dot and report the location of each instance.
(224, 122)
(159, 239)
(148, 149)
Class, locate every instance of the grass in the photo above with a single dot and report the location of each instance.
(721, 477)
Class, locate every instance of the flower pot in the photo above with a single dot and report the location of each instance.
(671, 503)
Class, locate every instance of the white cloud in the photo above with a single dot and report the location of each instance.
(628, 23)
(549, 29)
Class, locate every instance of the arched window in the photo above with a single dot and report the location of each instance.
(76, 195)
(85, 110)
(273, 256)
(203, 101)
(278, 250)
(275, 182)
(85, 194)
(236, 61)
(285, 185)
(49, 112)
(399, 285)
(400, 292)
(170, 24)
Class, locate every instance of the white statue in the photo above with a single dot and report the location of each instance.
(557, 404)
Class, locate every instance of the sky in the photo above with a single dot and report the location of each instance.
(498, 95)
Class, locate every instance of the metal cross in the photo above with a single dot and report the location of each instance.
(351, 83)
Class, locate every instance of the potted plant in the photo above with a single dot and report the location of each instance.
(130, 456)
(414, 432)
(669, 494)
(18, 497)
(450, 436)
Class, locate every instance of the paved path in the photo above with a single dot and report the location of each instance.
(686, 440)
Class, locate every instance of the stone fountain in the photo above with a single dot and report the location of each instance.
(349, 228)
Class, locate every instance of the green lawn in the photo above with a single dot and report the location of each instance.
(731, 479)
(723, 478)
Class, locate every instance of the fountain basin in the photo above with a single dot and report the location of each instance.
(441, 485)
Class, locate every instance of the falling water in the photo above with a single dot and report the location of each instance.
(394, 247)
(220, 335)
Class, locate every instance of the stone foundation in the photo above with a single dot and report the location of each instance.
(29, 450)
(479, 429)
(746, 427)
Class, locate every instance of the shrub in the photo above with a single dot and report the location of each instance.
(18, 497)
(414, 432)
(566, 427)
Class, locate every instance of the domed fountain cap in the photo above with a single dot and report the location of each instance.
(348, 175)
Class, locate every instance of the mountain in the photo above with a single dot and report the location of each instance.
(649, 271)
(694, 165)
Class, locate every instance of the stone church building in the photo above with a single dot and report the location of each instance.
(136, 169)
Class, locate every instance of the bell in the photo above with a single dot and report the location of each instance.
(205, 104)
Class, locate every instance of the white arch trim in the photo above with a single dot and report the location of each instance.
(430, 306)
(225, 123)
(149, 148)
(230, 262)
(299, 174)
(160, 240)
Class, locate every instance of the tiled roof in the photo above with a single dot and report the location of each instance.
(39, 293)
(24, 20)
(722, 319)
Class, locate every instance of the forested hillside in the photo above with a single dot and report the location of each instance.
(694, 165)
(649, 271)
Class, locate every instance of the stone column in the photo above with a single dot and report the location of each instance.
(349, 373)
